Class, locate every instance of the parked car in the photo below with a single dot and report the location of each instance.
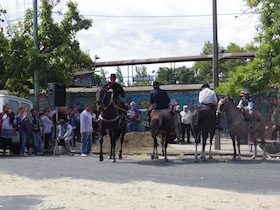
(14, 103)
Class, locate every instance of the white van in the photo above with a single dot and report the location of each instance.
(14, 103)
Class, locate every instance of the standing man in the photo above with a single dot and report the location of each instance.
(186, 123)
(177, 123)
(86, 130)
(159, 99)
(36, 131)
(47, 127)
(133, 116)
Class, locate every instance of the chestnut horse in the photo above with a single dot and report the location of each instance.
(162, 124)
(110, 119)
(238, 127)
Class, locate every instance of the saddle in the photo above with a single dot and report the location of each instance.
(247, 117)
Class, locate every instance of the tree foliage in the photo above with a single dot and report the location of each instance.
(264, 71)
(141, 71)
(58, 55)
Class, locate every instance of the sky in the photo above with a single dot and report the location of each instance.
(129, 29)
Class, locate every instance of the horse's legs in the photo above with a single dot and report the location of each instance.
(113, 146)
(167, 137)
(232, 136)
(155, 153)
(238, 147)
(263, 145)
(101, 151)
(196, 144)
(210, 146)
(122, 140)
(204, 138)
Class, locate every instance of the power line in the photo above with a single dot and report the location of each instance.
(166, 16)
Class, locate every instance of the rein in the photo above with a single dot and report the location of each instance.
(111, 99)
(106, 120)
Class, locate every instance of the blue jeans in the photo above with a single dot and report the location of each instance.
(23, 138)
(86, 143)
(37, 141)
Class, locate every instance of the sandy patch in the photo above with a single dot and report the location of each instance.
(87, 194)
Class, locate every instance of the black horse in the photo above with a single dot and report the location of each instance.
(111, 119)
(203, 122)
(162, 125)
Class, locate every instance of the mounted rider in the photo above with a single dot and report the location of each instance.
(118, 91)
(246, 106)
(159, 99)
(209, 98)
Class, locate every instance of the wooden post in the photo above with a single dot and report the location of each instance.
(217, 140)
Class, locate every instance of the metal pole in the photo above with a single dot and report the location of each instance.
(36, 45)
(215, 66)
(215, 46)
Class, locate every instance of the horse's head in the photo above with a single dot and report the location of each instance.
(104, 98)
(223, 105)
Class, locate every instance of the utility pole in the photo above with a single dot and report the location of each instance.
(215, 46)
(215, 65)
(36, 45)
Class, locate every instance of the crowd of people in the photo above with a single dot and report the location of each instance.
(33, 128)
(73, 125)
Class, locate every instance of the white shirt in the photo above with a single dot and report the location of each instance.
(47, 124)
(207, 96)
(6, 122)
(85, 121)
(186, 117)
(64, 132)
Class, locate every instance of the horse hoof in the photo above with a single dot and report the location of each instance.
(253, 157)
(195, 160)
(114, 160)
(166, 160)
(152, 157)
(101, 158)
(210, 157)
(120, 157)
(234, 158)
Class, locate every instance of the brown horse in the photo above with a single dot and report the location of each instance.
(238, 127)
(162, 124)
(110, 119)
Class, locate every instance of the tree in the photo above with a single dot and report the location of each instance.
(167, 75)
(119, 75)
(204, 69)
(59, 55)
(264, 71)
(186, 75)
(141, 71)
(103, 77)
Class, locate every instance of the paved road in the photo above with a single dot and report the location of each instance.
(248, 176)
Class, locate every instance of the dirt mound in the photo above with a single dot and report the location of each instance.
(134, 141)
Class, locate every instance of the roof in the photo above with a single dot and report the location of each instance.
(79, 73)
